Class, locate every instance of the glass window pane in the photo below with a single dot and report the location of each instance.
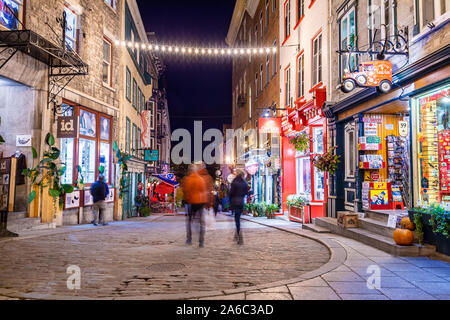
(317, 140)
(104, 159)
(105, 73)
(106, 51)
(86, 159)
(104, 128)
(88, 123)
(7, 19)
(67, 159)
(319, 186)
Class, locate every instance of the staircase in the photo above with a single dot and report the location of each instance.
(19, 223)
(373, 231)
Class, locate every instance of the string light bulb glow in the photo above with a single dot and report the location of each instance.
(197, 50)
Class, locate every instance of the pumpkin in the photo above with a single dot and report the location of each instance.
(403, 237)
(406, 223)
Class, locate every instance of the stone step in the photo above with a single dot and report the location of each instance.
(376, 226)
(315, 228)
(28, 224)
(380, 216)
(17, 215)
(375, 240)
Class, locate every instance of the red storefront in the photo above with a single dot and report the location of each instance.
(299, 174)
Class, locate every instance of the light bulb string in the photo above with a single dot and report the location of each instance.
(165, 48)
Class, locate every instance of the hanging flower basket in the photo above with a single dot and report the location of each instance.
(327, 162)
(300, 142)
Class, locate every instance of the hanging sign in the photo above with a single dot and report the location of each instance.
(375, 175)
(67, 127)
(403, 128)
(151, 155)
(269, 125)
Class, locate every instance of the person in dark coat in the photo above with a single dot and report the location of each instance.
(238, 191)
(99, 191)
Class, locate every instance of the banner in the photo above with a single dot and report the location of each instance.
(146, 119)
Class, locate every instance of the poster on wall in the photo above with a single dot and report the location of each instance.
(146, 119)
(23, 140)
(88, 123)
(88, 199)
(110, 196)
(379, 197)
(403, 128)
(370, 129)
(72, 200)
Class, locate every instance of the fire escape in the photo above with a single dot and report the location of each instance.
(63, 63)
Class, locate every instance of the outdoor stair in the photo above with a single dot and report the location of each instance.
(373, 231)
(314, 227)
(18, 223)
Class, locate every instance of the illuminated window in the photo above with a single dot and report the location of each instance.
(11, 12)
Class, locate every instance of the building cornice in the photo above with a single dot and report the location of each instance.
(238, 14)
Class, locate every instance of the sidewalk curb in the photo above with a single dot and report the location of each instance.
(338, 255)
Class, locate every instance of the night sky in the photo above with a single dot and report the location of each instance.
(198, 88)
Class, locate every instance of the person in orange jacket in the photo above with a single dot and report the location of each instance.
(196, 195)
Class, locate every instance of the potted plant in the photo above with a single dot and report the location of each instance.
(434, 222)
(271, 208)
(142, 205)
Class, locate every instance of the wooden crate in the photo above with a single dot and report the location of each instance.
(347, 219)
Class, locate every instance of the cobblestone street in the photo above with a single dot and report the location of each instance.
(149, 257)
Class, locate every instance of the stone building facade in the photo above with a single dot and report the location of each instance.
(255, 85)
(92, 27)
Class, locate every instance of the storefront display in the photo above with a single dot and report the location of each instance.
(433, 146)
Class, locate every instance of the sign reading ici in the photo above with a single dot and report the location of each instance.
(67, 127)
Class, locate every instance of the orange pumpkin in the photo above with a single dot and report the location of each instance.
(403, 237)
(407, 224)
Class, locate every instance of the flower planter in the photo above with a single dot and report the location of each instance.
(299, 214)
(441, 242)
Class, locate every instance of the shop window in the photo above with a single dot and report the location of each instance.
(319, 185)
(350, 149)
(317, 60)
(128, 85)
(429, 10)
(433, 146)
(86, 159)
(67, 158)
(318, 138)
(303, 173)
(301, 76)
(104, 159)
(107, 62)
(88, 123)
(72, 28)
(347, 41)
(10, 9)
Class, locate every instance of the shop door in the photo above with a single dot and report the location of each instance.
(126, 204)
(133, 194)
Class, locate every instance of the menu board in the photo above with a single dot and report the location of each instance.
(444, 160)
(5, 172)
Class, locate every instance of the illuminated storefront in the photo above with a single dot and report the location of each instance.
(432, 146)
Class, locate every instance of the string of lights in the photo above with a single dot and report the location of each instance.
(164, 48)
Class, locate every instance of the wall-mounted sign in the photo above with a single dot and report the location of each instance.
(269, 125)
(403, 128)
(151, 155)
(370, 129)
(88, 199)
(67, 127)
(72, 200)
(23, 141)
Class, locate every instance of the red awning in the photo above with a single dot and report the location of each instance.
(164, 188)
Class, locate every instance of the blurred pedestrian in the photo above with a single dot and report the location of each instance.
(196, 195)
(238, 191)
(99, 191)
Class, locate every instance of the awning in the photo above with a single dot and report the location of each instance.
(164, 188)
(172, 183)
